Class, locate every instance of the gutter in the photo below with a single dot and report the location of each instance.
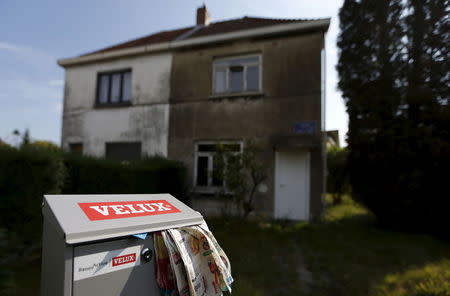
(321, 24)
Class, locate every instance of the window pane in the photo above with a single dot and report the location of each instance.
(253, 78)
(217, 175)
(233, 147)
(115, 88)
(76, 148)
(220, 80)
(236, 79)
(206, 147)
(202, 171)
(103, 89)
(247, 60)
(123, 151)
(126, 88)
(236, 61)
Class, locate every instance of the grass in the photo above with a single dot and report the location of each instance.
(345, 254)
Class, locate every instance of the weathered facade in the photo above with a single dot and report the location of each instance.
(290, 93)
(227, 82)
(144, 120)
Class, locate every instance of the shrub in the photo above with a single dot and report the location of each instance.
(46, 145)
(25, 176)
(337, 173)
(89, 175)
(242, 173)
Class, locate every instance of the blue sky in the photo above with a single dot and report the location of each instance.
(34, 34)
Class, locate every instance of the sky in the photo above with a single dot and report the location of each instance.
(34, 34)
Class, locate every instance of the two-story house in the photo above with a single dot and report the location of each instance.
(178, 93)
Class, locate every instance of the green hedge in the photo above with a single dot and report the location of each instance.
(87, 175)
(28, 173)
(25, 175)
(338, 181)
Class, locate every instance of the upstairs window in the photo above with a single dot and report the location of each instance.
(114, 88)
(237, 74)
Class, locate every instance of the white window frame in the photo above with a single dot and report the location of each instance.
(244, 74)
(210, 154)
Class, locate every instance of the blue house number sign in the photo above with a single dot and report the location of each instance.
(305, 127)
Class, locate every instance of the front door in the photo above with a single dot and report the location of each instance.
(292, 185)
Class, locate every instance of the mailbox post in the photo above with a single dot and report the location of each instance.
(89, 247)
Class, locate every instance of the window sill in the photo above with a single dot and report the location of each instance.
(108, 106)
(237, 95)
(209, 190)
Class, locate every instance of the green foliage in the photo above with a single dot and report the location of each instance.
(432, 279)
(241, 173)
(4, 144)
(394, 79)
(341, 255)
(25, 138)
(25, 175)
(344, 254)
(46, 145)
(39, 168)
(150, 175)
(338, 182)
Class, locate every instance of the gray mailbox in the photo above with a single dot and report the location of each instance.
(89, 247)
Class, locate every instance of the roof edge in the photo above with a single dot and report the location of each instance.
(320, 24)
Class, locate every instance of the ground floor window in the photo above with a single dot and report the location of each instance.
(123, 151)
(205, 169)
(76, 148)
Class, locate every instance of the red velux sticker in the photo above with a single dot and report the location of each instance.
(126, 209)
(119, 260)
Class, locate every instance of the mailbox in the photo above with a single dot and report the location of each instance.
(89, 247)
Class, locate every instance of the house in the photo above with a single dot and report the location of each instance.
(178, 93)
(332, 139)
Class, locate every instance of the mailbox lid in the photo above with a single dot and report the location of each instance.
(84, 218)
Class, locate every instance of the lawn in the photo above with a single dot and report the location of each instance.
(345, 254)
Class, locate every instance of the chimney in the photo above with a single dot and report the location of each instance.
(203, 17)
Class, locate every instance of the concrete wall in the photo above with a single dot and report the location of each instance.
(145, 121)
(291, 68)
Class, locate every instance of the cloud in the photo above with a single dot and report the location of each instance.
(14, 48)
(25, 56)
(56, 82)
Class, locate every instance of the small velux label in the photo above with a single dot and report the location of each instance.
(105, 262)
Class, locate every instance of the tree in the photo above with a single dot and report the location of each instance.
(393, 68)
(337, 173)
(25, 138)
(241, 174)
(45, 145)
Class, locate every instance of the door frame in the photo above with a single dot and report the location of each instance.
(308, 180)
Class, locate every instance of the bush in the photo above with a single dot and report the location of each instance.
(25, 176)
(337, 173)
(89, 175)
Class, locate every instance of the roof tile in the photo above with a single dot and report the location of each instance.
(228, 26)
